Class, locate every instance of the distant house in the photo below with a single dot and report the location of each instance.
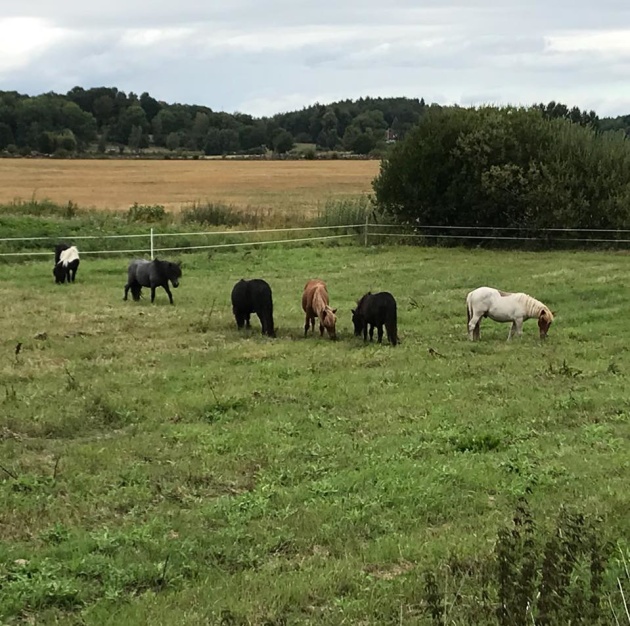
(390, 136)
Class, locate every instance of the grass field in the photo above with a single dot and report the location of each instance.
(286, 186)
(159, 467)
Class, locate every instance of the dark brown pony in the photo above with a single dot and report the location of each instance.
(315, 304)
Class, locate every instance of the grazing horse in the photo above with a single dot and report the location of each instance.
(502, 306)
(253, 296)
(315, 304)
(153, 274)
(59, 248)
(66, 263)
(375, 310)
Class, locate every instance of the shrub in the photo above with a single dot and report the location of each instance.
(211, 214)
(506, 167)
(146, 213)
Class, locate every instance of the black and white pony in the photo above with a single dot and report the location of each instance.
(153, 274)
(66, 263)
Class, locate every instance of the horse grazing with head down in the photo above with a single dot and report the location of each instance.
(66, 263)
(315, 304)
(502, 306)
(153, 274)
(253, 296)
(375, 310)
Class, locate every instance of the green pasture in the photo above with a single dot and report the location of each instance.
(160, 467)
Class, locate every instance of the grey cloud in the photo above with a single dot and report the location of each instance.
(286, 53)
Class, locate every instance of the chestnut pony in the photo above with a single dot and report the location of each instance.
(315, 304)
(502, 306)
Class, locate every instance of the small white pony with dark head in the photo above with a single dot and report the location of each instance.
(502, 306)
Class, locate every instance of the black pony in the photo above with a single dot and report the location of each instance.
(375, 310)
(66, 263)
(253, 296)
(151, 274)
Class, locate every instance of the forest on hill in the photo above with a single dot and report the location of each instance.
(105, 120)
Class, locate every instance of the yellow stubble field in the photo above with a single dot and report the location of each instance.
(283, 186)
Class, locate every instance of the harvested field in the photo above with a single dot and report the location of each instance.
(285, 186)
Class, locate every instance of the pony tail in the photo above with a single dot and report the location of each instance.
(136, 291)
(391, 325)
(395, 339)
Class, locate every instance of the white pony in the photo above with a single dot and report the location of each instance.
(67, 264)
(502, 306)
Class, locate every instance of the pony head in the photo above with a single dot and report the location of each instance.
(329, 319)
(544, 322)
(358, 317)
(175, 273)
(357, 321)
(59, 272)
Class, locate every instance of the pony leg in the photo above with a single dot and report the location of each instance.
(365, 331)
(152, 295)
(307, 323)
(170, 295)
(512, 331)
(371, 332)
(516, 329)
(473, 327)
(380, 334)
(321, 329)
(126, 291)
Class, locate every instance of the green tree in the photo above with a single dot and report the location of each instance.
(47, 143)
(66, 141)
(282, 141)
(130, 117)
(150, 106)
(102, 140)
(103, 108)
(82, 124)
(253, 136)
(364, 143)
(212, 144)
(173, 141)
(6, 135)
(498, 167)
(135, 139)
(200, 130)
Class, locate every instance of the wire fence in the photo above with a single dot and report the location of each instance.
(362, 233)
(44, 245)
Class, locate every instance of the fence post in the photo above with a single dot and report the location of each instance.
(367, 225)
(152, 244)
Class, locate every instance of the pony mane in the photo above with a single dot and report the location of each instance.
(169, 267)
(361, 300)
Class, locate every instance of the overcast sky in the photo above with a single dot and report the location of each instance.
(266, 56)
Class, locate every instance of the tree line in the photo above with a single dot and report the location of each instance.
(105, 118)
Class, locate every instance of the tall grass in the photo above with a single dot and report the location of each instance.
(342, 212)
(50, 223)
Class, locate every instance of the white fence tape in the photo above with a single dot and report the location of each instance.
(365, 230)
(153, 250)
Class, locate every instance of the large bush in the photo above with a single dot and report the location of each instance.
(500, 167)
